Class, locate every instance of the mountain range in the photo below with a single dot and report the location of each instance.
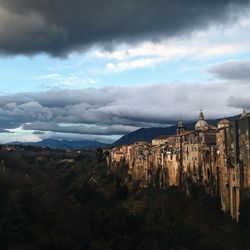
(63, 144)
(142, 134)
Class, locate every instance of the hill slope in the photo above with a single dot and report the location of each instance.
(86, 206)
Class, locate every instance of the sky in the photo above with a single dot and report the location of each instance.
(100, 69)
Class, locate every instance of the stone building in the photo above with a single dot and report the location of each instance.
(228, 166)
(218, 158)
(161, 140)
(243, 147)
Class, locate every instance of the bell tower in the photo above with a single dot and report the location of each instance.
(180, 127)
(201, 116)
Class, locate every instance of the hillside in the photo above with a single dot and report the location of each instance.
(84, 206)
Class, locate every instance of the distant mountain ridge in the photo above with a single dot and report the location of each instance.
(142, 134)
(147, 134)
(63, 144)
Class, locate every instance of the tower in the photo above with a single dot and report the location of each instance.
(201, 117)
(201, 124)
(180, 127)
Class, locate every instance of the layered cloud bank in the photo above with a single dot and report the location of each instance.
(234, 70)
(60, 26)
(120, 110)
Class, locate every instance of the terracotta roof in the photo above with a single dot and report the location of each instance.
(186, 132)
(183, 134)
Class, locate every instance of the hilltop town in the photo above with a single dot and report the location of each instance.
(69, 199)
(216, 158)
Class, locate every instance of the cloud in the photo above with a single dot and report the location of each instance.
(77, 137)
(239, 102)
(228, 40)
(119, 110)
(234, 71)
(60, 27)
(79, 129)
(66, 81)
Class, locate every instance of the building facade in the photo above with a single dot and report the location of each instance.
(216, 157)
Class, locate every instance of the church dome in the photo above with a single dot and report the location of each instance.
(201, 124)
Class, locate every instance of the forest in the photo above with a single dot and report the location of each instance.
(69, 199)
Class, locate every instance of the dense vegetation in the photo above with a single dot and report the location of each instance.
(56, 199)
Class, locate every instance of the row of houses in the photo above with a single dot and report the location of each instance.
(216, 157)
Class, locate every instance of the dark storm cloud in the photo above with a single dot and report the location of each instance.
(80, 129)
(118, 110)
(236, 70)
(60, 26)
(12, 114)
(239, 102)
